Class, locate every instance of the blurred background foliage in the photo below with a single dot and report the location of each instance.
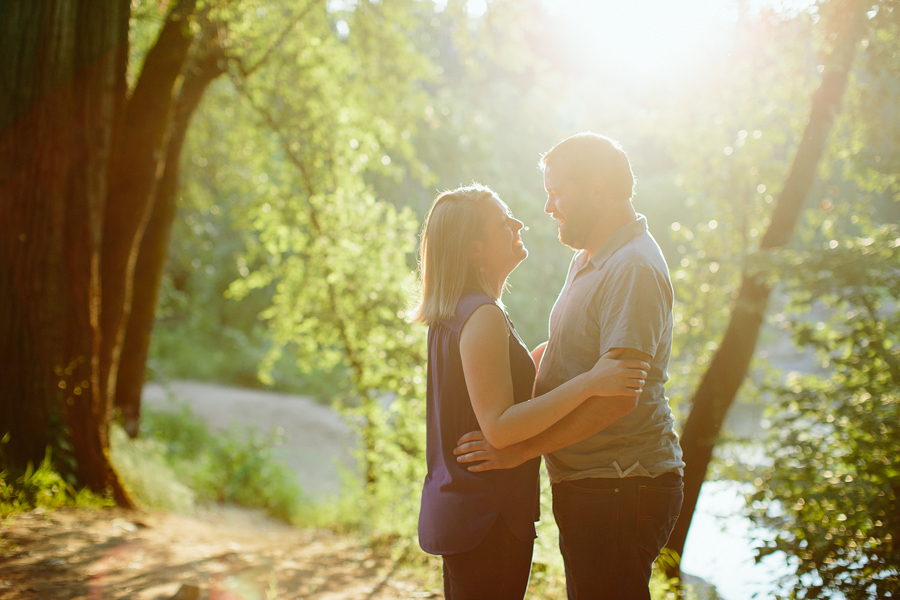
(304, 183)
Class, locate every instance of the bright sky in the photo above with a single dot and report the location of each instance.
(645, 39)
(649, 41)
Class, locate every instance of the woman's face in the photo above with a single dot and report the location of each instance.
(500, 249)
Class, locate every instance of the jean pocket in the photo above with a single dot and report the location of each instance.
(658, 509)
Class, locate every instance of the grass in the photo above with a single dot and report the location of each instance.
(178, 463)
(41, 487)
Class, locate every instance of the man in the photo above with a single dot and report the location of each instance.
(614, 463)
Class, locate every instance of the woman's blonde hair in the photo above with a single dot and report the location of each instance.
(454, 221)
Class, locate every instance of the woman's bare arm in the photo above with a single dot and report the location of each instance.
(484, 349)
(588, 418)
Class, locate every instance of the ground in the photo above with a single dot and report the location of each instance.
(229, 554)
(226, 554)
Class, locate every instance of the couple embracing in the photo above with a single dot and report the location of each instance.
(590, 400)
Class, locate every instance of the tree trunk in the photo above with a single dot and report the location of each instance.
(58, 85)
(728, 367)
(155, 244)
(134, 178)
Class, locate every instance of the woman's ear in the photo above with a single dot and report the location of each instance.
(476, 248)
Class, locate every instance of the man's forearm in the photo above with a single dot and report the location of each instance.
(592, 416)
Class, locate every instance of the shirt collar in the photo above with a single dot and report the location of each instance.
(622, 236)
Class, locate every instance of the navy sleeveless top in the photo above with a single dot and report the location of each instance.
(459, 507)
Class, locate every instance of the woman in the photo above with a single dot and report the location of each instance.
(480, 375)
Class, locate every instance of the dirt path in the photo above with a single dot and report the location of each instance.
(223, 555)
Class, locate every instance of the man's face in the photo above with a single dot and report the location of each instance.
(572, 205)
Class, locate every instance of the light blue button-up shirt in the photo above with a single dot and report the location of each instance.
(621, 298)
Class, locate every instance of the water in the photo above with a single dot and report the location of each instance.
(719, 546)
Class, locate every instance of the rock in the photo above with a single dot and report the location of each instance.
(124, 525)
(187, 592)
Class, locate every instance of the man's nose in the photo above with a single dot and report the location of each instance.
(549, 206)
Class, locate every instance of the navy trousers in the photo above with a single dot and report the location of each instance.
(496, 569)
(611, 531)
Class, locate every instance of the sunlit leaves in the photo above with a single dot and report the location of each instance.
(873, 101)
(733, 142)
(315, 114)
(318, 97)
(832, 495)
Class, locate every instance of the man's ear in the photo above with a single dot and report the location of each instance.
(597, 187)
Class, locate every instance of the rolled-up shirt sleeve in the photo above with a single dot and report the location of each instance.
(639, 317)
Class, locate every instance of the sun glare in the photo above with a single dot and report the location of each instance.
(646, 41)
(654, 42)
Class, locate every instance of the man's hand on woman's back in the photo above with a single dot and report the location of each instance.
(473, 448)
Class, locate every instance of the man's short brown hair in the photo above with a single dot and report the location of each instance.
(585, 155)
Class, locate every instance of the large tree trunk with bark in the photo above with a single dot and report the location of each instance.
(729, 366)
(135, 177)
(208, 65)
(59, 79)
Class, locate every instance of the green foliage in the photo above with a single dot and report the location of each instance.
(201, 334)
(178, 462)
(276, 167)
(144, 470)
(43, 487)
(333, 259)
(238, 467)
(548, 576)
(733, 138)
(832, 494)
(873, 102)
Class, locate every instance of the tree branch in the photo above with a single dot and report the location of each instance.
(248, 71)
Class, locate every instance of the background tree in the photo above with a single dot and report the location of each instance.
(728, 367)
(134, 146)
(61, 73)
(142, 187)
(187, 42)
(334, 261)
(829, 498)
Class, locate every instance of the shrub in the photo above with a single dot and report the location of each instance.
(178, 461)
(43, 487)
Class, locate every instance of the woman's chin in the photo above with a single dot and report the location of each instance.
(521, 255)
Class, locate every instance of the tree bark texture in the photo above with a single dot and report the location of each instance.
(154, 250)
(728, 368)
(58, 85)
(135, 176)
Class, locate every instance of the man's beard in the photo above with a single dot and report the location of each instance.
(573, 237)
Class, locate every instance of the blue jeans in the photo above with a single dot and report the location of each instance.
(496, 569)
(611, 531)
